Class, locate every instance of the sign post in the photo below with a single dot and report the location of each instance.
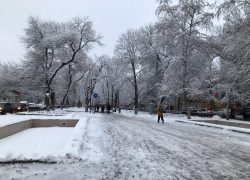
(95, 95)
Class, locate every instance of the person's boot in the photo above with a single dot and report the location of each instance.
(162, 122)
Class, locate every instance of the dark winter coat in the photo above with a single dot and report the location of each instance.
(108, 107)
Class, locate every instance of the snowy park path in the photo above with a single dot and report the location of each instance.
(119, 147)
(179, 151)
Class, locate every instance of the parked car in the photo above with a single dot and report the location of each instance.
(57, 105)
(41, 106)
(193, 111)
(25, 102)
(207, 111)
(6, 107)
(19, 107)
(246, 113)
(223, 112)
(32, 105)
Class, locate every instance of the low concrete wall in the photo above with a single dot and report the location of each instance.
(11, 129)
(226, 123)
(54, 122)
(14, 128)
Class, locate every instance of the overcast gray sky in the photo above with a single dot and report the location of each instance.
(110, 17)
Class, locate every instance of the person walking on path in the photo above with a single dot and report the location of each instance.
(232, 113)
(97, 108)
(102, 108)
(160, 113)
(108, 107)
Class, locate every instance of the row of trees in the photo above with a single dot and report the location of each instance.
(181, 55)
(185, 55)
(56, 57)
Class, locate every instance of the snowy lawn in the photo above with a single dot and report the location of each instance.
(50, 144)
(35, 143)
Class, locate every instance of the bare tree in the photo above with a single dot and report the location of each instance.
(127, 49)
(52, 46)
(182, 24)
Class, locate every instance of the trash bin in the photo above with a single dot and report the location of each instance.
(151, 108)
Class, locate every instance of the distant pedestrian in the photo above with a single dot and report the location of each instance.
(232, 113)
(97, 108)
(102, 108)
(160, 113)
(108, 107)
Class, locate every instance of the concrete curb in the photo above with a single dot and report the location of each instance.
(33, 114)
(195, 123)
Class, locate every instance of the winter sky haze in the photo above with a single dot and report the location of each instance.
(110, 18)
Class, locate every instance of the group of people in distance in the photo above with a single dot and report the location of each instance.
(103, 107)
(159, 110)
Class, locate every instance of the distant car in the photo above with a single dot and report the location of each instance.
(192, 109)
(207, 111)
(57, 105)
(32, 105)
(246, 113)
(41, 106)
(25, 102)
(223, 112)
(6, 107)
(19, 107)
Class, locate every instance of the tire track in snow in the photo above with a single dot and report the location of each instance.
(208, 153)
(161, 170)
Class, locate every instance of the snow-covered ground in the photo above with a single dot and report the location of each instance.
(125, 146)
(35, 143)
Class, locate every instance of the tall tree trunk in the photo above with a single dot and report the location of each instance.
(228, 101)
(116, 99)
(112, 96)
(187, 107)
(108, 91)
(87, 97)
(69, 85)
(185, 91)
(227, 116)
(179, 101)
(86, 108)
(136, 90)
(157, 67)
(162, 100)
(53, 99)
(64, 98)
(47, 93)
(47, 100)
